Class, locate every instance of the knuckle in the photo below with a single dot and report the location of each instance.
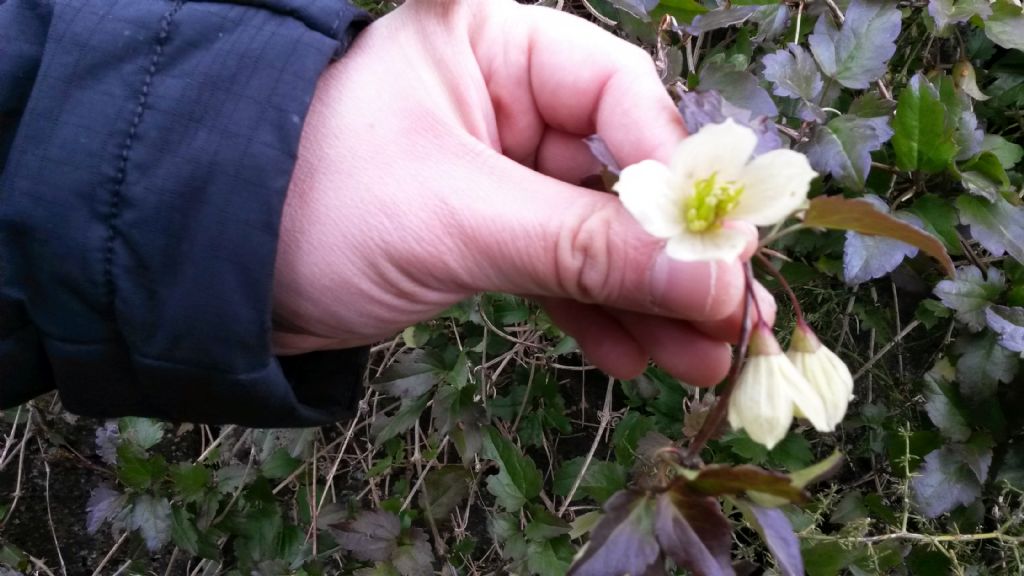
(589, 259)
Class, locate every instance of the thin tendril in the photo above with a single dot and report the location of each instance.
(785, 286)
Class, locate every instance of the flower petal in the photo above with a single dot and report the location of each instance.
(807, 403)
(761, 403)
(832, 382)
(644, 189)
(722, 244)
(774, 186)
(721, 149)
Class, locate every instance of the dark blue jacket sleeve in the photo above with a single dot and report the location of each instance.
(145, 151)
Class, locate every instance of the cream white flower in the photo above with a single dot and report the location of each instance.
(770, 391)
(712, 179)
(824, 370)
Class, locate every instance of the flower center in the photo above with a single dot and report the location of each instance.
(710, 203)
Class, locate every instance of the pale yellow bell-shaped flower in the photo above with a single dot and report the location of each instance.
(713, 178)
(770, 391)
(825, 371)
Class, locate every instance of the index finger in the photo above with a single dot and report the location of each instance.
(555, 69)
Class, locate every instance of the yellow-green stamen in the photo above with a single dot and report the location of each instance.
(710, 203)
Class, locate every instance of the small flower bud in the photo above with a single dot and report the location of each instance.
(769, 391)
(826, 373)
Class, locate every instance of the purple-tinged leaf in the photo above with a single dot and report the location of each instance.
(843, 148)
(739, 87)
(869, 257)
(771, 22)
(998, 226)
(793, 73)
(600, 150)
(838, 213)
(942, 402)
(717, 480)
(623, 541)
(414, 558)
(152, 518)
(1009, 324)
(693, 532)
(818, 471)
(857, 54)
(708, 107)
(983, 365)
(104, 504)
(639, 8)
(969, 293)
(371, 537)
(946, 479)
(719, 18)
(948, 12)
(777, 533)
(107, 439)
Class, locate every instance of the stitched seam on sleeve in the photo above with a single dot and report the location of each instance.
(114, 210)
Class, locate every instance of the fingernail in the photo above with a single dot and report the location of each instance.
(692, 290)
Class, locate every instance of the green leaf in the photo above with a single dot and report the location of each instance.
(942, 402)
(1008, 153)
(843, 148)
(1005, 26)
(601, 480)
(628, 433)
(518, 480)
(183, 531)
(549, 557)
(984, 176)
(152, 518)
(816, 472)
(1012, 469)
(969, 294)
(923, 138)
(983, 365)
(414, 557)
(137, 470)
(279, 465)
(143, 432)
(939, 218)
(544, 525)
(444, 489)
(838, 213)
(857, 54)
(386, 428)
(949, 478)
(409, 377)
(998, 226)
(190, 481)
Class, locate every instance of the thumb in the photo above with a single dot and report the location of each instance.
(542, 237)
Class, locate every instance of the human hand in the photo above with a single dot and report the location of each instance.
(441, 158)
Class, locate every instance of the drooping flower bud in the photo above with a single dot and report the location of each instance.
(770, 391)
(825, 371)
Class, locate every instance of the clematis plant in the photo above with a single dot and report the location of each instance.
(672, 509)
(711, 180)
